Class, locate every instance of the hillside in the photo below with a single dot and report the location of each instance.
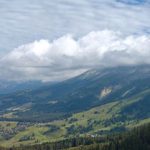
(96, 103)
(93, 88)
(136, 139)
(108, 118)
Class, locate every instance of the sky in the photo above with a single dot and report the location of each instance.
(56, 39)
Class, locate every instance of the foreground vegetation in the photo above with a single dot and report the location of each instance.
(136, 139)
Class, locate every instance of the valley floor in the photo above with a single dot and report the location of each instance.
(16, 134)
(136, 139)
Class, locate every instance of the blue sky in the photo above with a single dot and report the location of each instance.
(133, 2)
(46, 37)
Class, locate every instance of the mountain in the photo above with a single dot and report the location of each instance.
(93, 88)
(96, 103)
(7, 87)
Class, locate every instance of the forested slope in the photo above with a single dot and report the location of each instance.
(136, 139)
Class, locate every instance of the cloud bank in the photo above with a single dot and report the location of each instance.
(67, 56)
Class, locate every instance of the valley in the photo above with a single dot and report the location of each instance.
(106, 119)
(75, 75)
(94, 104)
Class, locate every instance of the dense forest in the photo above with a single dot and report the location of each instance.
(136, 139)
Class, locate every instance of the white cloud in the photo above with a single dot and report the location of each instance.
(66, 57)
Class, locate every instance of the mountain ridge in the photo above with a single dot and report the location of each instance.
(82, 92)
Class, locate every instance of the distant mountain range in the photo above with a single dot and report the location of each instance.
(7, 87)
(93, 88)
